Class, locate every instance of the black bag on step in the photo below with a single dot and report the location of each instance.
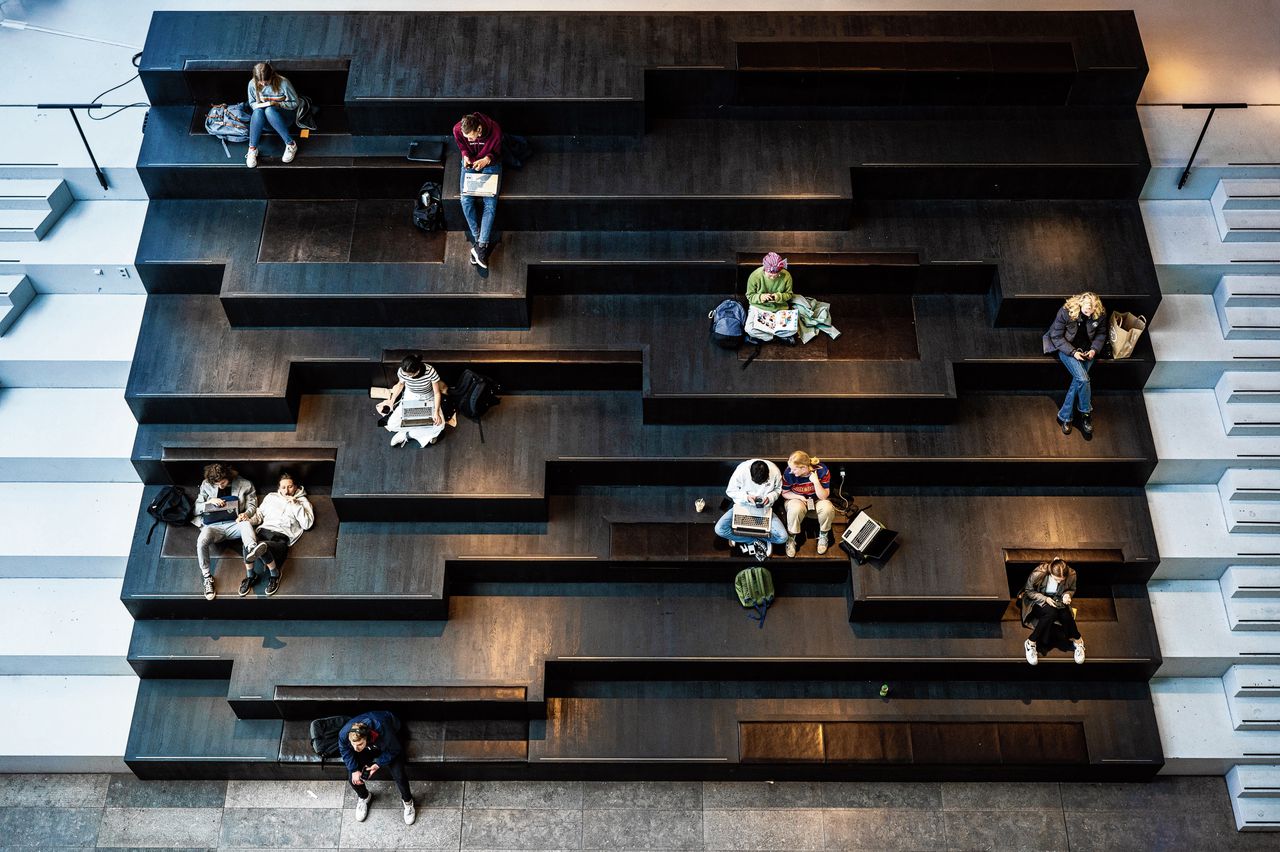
(474, 395)
(171, 506)
(428, 211)
(324, 736)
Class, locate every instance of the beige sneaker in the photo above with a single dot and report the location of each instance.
(822, 542)
(1079, 643)
(791, 546)
(251, 158)
(290, 151)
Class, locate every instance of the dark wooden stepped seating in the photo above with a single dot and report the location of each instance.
(428, 744)
(907, 179)
(175, 163)
(598, 439)
(185, 729)
(218, 81)
(478, 701)
(1095, 566)
(629, 540)
(659, 63)
(905, 71)
(902, 364)
(213, 247)
(321, 542)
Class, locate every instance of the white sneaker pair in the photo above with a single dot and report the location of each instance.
(362, 810)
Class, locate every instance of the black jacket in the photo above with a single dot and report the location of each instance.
(1034, 591)
(1064, 331)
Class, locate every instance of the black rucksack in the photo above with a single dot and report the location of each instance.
(428, 211)
(474, 395)
(324, 736)
(171, 506)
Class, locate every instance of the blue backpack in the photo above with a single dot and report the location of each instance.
(727, 322)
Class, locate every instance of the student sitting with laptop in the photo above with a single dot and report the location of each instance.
(421, 413)
(224, 505)
(479, 140)
(750, 522)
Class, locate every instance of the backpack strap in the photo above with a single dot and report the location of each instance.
(761, 610)
(154, 524)
(750, 358)
(481, 425)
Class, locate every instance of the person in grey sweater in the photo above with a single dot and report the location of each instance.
(224, 506)
(273, 101)
(283, 516)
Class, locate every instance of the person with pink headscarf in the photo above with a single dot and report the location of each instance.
(769, 287)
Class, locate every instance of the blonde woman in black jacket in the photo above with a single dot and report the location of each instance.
(1046, 600)
(1077, 336)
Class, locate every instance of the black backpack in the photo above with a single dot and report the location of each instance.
(172, 506)
(428, 211)
(324, 736)
(474, 395)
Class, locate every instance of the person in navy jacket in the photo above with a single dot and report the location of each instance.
(369, 746)
(1077, 336)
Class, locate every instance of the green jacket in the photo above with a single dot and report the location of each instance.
(758, 284)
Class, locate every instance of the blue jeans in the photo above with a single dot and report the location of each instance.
(1080, 394)
(278, 118)
(724, 529)
(479, 210)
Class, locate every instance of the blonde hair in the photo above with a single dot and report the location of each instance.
(359, 732)
(1076, 302)
(801, 457)
(265, 75)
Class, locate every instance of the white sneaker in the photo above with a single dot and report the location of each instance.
(399, 439)
(362, 808)
(290, 151)
(410, 812)
(791, 546)
(257, 552)
(209, 593)
(768, 549)
(251, 158)
(822, 543)
(1079, 643)
(1033, 653)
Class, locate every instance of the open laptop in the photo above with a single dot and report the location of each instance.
(752, 521)
(420, 411)
(479, 183)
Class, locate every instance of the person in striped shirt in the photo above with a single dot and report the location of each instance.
(417, 380)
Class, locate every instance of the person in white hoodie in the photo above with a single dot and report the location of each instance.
(755, 482)
(282, 517)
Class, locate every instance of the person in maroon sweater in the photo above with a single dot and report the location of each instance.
(479, 141)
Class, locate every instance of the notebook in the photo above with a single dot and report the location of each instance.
(479, 183)
(753, 521)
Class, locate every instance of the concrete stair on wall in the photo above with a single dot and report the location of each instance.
(72, 341)
(39, 447)
(1248, 306)
(69, 626)
(93, 243)
(1251, 594)
(1253, 696)
(1251, 500)
(1193, 446)
(90, 713)
(1197, 731)
(1193, 351)
(16, 293)
(1192, 536)
(1255, 797)
(35, 518)
(30, 208)
(1247, 210)
(1249, 403)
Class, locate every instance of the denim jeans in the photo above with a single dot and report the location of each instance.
(1080, 394)
(724, 529)
(211, 534)
(278, 118)
(480, 210)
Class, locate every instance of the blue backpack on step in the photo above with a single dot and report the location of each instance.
(727, 322)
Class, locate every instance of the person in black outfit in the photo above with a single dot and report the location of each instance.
(369, 745)
(1046, 601)
(1077, 336)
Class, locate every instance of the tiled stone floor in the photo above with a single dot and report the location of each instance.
(121, 812)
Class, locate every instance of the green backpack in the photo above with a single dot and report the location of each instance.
(755, 591)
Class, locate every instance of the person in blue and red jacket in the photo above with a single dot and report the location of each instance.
(369, 745)
(806, 487)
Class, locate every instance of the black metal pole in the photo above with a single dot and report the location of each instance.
(102, 179)
(1186, 173)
